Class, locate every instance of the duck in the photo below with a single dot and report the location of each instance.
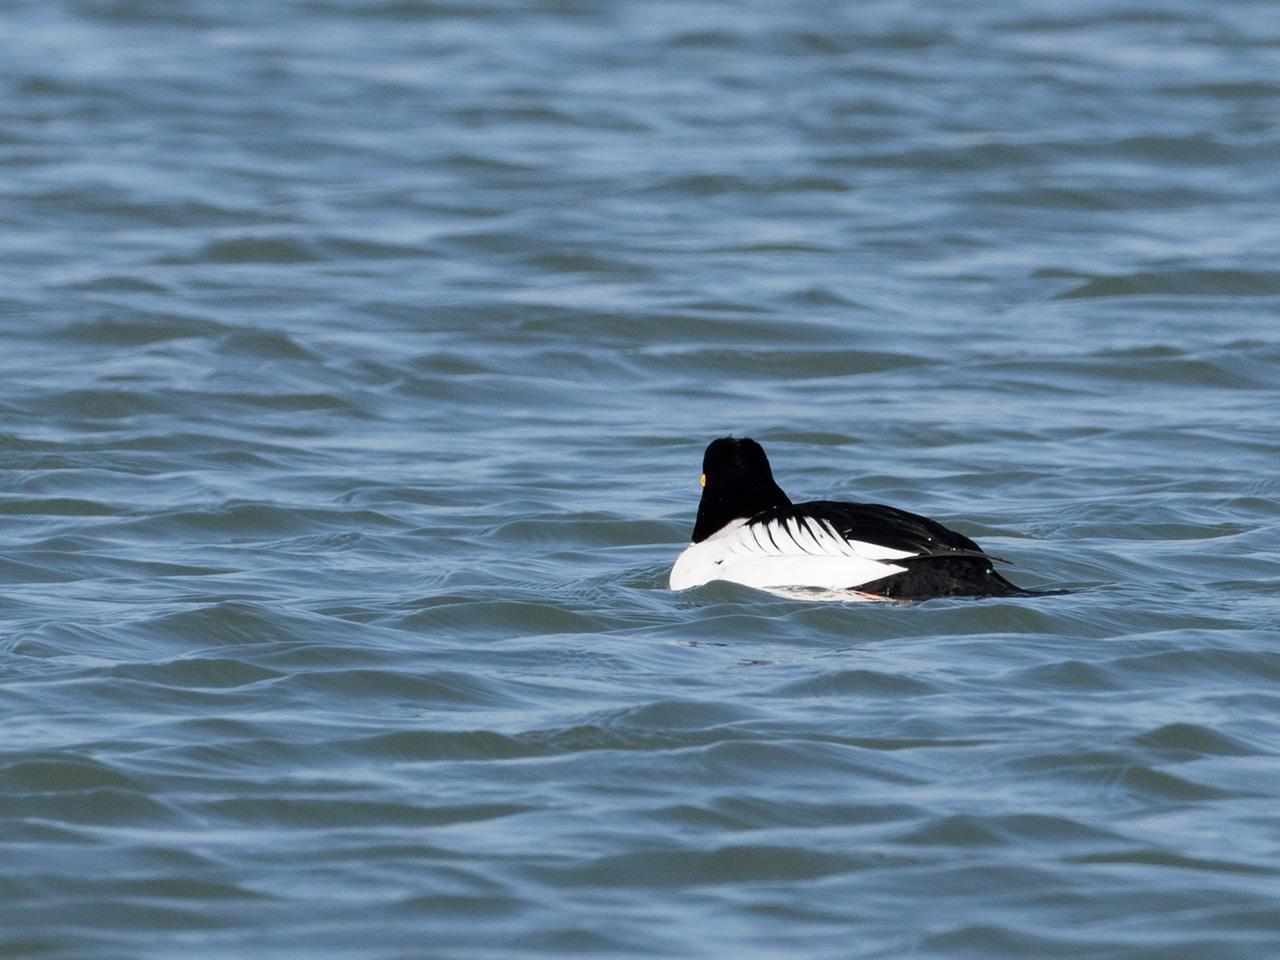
(748, 531)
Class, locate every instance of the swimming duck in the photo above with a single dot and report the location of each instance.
(748, 531)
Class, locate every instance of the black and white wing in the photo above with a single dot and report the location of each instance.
(886, 527)
(790, 547)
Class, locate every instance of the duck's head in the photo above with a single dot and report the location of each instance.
(736, 483)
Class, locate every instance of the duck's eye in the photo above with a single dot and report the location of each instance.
(702, 480)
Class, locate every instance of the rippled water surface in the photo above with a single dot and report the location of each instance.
(357, 359)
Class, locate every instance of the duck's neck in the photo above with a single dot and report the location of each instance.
(718, 508)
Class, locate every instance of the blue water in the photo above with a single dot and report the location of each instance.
(356, 362)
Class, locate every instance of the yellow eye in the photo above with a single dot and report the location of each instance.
(703, 480)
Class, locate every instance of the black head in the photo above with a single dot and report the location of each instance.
(736, 483)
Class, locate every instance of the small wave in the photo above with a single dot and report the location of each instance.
(140, 328)
(248, 250)
(857, 683)
(688, 329)
(258, 521)
(227, 623)
(105, 206)
(342, 813)
(736, 864)
(587, 263)
(716, 39)
(1070, 675)
(584, 532)
(705, 185)
(522, 618)
(1193, 739)
(91, 403)
(263, 345)
(120, 283)
(1042, 830)
(180, 886)
(987, 155)
(62, 772)
(1224, 663)
(1117, 772)
(426, 746)
(428, 10)
(98, 805)
(220, 673)
(986, 940)
(736, 811)
(1174, 861)
(1198, 149)
(55, 507)
(1223, 368)
(1247, 90)
(956, 831)
(286, 250)
(1179, 283)
(437, 688)
(786, 366)
(743, 760)
(680, 715)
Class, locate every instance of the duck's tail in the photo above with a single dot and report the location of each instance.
(943, 575)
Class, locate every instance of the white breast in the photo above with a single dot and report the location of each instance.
(784, 553)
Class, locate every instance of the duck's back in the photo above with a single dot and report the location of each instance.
(826, 544)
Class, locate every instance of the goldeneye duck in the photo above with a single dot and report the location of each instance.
(748, 531)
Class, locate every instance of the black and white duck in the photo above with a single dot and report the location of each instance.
(748, 531)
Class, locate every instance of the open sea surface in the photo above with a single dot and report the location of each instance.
(357, 358)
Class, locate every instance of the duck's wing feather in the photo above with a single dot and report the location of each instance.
(824, 544)
(785, 548)
(869, 529)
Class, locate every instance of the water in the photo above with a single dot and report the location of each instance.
(357, 363)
